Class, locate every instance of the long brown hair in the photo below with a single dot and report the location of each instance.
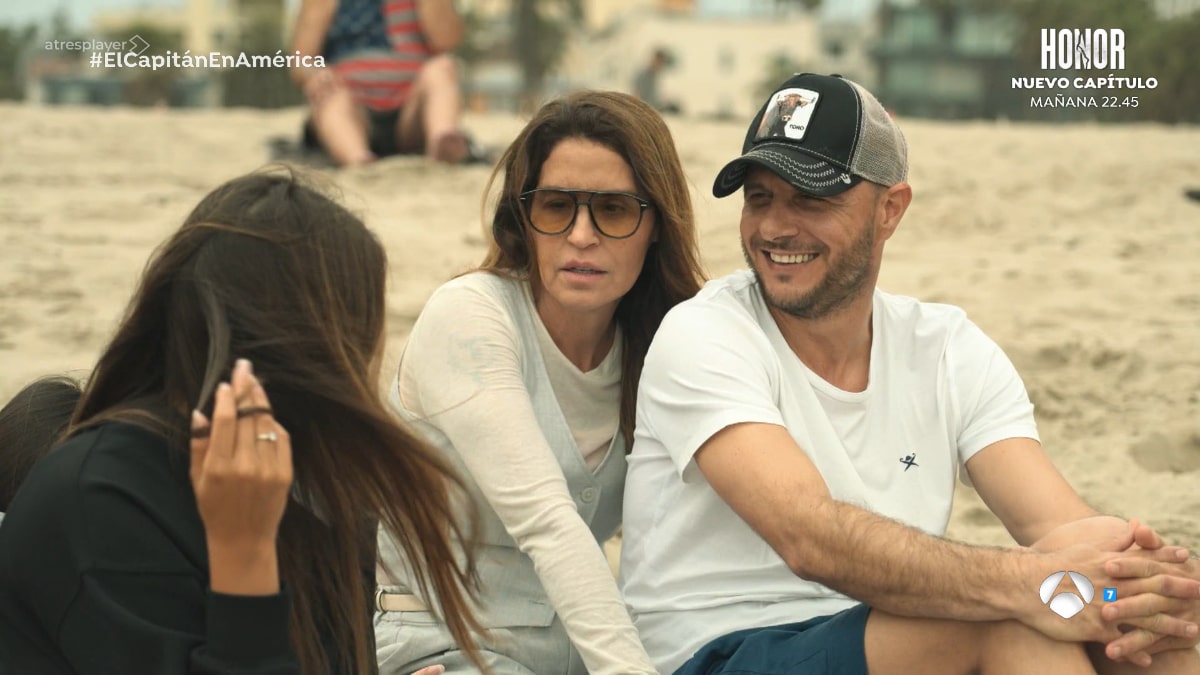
(270, 269)
(31, 424)
(632, 129)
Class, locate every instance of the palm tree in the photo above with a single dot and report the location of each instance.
(146, 87)
(540, 31)
(14, 44)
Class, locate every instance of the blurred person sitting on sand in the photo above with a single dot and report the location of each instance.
(646, 82)
(799, 432)
(389, 85)
(32, 423)
(191, 524)
(525, 373)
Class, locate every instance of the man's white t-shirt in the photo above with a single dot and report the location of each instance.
(691, 569)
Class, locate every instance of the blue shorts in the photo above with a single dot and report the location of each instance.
(826, 645)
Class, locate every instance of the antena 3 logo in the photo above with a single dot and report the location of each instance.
(1083, 49)
(1066, 603)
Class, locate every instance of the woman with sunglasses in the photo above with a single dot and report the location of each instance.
(525, 373)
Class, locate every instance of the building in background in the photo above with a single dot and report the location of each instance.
(954, 63)
(1174, 9)
(721, 54)
(201, 27)
(259, 27)
(845, 44)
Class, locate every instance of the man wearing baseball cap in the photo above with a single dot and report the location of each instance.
(799, 432)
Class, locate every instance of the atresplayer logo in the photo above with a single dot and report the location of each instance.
(1067, 604)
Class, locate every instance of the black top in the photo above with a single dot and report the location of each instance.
(104, 569)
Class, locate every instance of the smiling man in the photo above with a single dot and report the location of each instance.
(798, 437)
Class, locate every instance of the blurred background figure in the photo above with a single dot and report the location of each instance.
(646, 83)
(389, 86)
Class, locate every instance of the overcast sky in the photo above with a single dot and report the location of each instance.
(20, 12)
(17, 12)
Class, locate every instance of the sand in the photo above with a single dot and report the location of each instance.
(1072, 246)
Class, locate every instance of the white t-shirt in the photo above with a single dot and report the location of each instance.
(691, 569)
(590, 401)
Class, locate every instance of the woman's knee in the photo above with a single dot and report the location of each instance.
(1001, 639)
(442, 68)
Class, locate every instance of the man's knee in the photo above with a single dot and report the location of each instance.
(1181, 661)
(1000, 638)
(896, 644)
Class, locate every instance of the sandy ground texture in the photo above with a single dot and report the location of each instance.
(1072, 246)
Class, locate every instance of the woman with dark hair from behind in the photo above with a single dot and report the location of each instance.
(30, 425)
(157, 541)
(525, 373)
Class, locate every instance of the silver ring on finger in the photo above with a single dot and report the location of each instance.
(269, 436)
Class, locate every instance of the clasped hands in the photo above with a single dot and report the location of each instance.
(1158, 601)
(1158, 587)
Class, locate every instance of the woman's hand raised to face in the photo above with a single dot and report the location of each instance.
(241, 472)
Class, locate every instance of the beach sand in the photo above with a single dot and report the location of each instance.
(1072, 246)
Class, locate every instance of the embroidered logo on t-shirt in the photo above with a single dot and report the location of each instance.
(909, 461)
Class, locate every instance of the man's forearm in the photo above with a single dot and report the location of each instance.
(904, 571)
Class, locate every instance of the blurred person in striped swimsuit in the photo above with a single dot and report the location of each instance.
(389, 85)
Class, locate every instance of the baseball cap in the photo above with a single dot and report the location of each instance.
(823, 134)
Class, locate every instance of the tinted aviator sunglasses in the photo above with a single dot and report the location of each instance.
(552, 211)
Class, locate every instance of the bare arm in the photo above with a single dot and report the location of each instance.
(1021, 486)
(768, 480)
(441, 24)
(308, 38)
